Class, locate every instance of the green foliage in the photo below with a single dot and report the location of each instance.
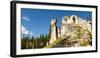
(78, 37)
(34, 42)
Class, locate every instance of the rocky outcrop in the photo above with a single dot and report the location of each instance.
(70, 25)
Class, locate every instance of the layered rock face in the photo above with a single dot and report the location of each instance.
(70, 26)
(73, 21)
(54, 34)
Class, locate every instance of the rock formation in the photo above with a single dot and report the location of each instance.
(54, 34)
(68, 27)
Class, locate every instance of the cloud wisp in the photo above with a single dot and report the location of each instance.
(26, 32)
(26, 18)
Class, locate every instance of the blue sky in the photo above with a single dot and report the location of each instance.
(37, 21)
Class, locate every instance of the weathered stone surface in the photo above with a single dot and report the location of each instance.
(71, 25)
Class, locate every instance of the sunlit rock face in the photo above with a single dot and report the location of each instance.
(69, 21)
(66, 22)
(86, 24)
(59, 32)
(54, 34)
(71, 26)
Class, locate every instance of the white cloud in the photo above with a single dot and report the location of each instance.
(25, 31)
(26, 18)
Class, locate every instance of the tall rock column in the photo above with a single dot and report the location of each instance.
(53, 31)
